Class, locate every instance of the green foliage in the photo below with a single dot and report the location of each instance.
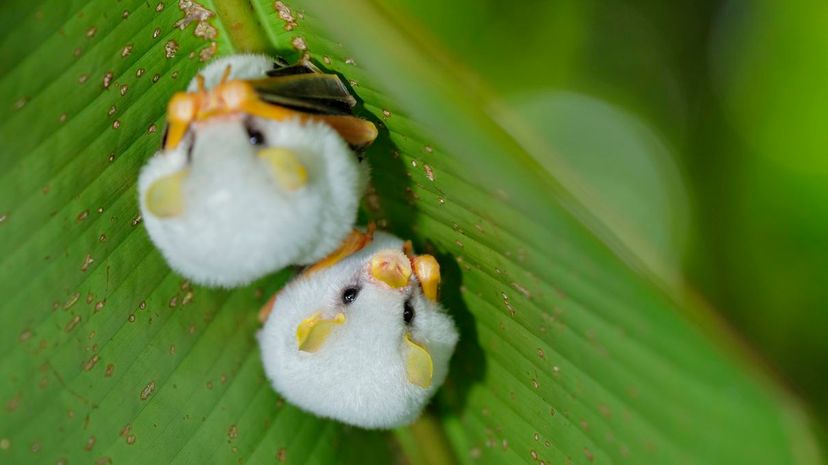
(573, 348)
(775, 104)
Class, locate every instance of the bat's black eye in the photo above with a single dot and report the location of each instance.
(408, 312)
(350, 295)
(254, 135)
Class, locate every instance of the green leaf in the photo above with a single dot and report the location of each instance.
(573, 348)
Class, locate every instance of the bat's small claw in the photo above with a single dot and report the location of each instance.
(408, 249)
(200, 82)
(427, 271)
(226, 74)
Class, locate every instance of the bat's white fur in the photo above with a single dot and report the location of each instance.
(358, 376)
(242, 66)
(238, 224)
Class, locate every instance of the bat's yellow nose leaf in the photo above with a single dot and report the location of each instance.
(313, 331)
(165, 196)
(418, 365)
(288, 171)
(391, 267)
(427, 271)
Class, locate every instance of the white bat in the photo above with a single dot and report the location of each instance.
(360, 338)
(256, 173)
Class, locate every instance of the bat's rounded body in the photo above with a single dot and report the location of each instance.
(364, 340)
(237, 194)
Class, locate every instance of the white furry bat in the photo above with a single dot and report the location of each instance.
(361, 339)
(256, 173)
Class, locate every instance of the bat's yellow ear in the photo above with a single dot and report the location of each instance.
(418, 365)
(427, 271)
(313, 331)
(165, 196)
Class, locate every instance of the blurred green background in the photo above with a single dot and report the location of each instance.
(734, 95)
(731, 99)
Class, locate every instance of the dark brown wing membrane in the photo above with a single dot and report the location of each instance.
(305, 89)
(282, 68)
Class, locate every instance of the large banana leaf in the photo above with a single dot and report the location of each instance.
(576, 346)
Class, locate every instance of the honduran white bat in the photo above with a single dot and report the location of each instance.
(360, 337)
(257, 171)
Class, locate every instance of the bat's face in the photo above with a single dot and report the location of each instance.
(362, 341)
(243, 196)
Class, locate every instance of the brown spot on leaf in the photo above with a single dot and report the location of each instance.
(13, 403)
(90, 364)
(72, 300)
(205, 31)
(285, 15)
(299, 43)
(207, 53)
(148, 390)
(522, 290)
(72, 323)
(170, 48)
(87, 261)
